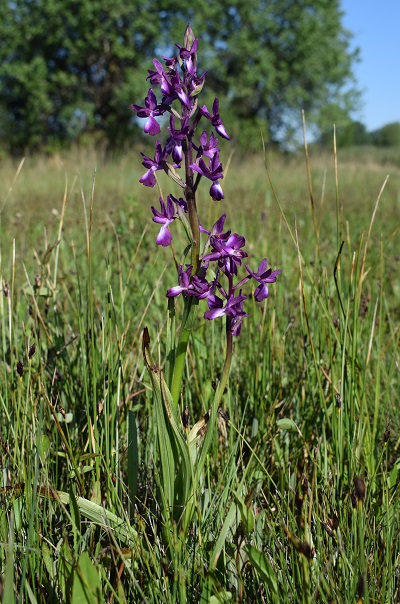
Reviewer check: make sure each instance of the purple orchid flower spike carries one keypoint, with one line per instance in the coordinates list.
(213, 173)
(215, 118)
(151, 110)
(164, 217)
(158, 163)
(223, 251)
(263, 275)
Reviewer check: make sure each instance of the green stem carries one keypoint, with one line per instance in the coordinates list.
(227, 366)
(192, 209)
(217, 399)
(198, 470)
(180, 351)
(186, 326)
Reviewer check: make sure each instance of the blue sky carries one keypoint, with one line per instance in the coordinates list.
(375, 26)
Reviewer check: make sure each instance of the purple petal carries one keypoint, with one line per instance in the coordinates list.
(222, 132)
(261, 292)
(204, 111)
(197, 168)
(272, 277)
(175, 291)
(214, 313)
(216, 191)
(262, 266)
(158, 66)
(235, 241)
(151, 126)
(159, 218)
(141, 111)
(218, 226)
(236, 326)
(215, 106)
(151, 99)
(164, 236)
(148, 179)
(183, 97)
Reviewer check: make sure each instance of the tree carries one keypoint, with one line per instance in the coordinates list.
(272, 58)
(387, 136)
(348, 134)
(69, 67)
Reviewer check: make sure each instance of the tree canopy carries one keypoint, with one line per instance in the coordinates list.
(70, 68)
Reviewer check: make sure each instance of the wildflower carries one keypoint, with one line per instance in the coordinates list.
(160, 78)
(217, 228)
(188, 37)
(263, 276)
(183, 280)
(177, 137)
(164, 217)
(233, 309)
(178, 81)
(181, 203)
(158, 163)
(215, 118)
(189, 55)
(208, 147)
(213, 173)
(226, 249)
(195, 85)
(197, 287)
(151, 110)
(180, 91)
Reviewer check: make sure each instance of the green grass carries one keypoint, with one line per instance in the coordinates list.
(92, 509)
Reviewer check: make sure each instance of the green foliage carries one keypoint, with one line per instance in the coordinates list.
(71, 69)
(87, 585)
(348, 134)
(354, 134)
(387, 136)
(68, 68)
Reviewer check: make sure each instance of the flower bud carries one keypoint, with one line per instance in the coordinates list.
(188, 38)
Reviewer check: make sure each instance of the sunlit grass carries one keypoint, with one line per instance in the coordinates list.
(312, 400)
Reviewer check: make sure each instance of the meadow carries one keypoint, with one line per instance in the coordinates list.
(297, 497)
